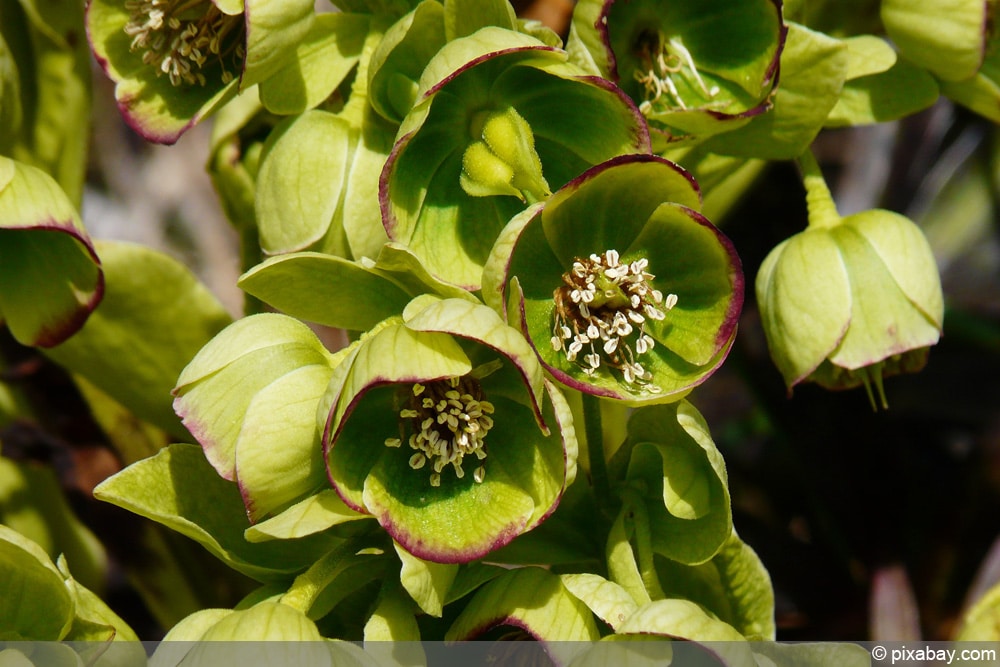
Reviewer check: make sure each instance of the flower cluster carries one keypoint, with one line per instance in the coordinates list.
(607, 302)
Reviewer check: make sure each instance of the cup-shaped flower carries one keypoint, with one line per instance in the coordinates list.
(175, 61)
(437, 429)
(695, 69)
(483, 139)
(851, 300)
(622, 287)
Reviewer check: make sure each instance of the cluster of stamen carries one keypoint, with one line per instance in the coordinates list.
(662, 60)
(178, 37)
(448, 421)
(601, 312)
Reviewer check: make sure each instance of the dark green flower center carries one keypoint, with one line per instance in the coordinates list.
(446, 421)
(600, 316)
(178, 38)
(666, 70)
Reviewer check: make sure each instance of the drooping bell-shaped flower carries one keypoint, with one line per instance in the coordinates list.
(694, 69)
(623, 288)
(437, 429)
(849, 300)
(482, 141)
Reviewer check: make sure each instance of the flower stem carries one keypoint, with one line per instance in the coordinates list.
(595, 450)
(822, 209)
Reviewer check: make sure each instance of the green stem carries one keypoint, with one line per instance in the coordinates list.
(822, 209)
(595, 450)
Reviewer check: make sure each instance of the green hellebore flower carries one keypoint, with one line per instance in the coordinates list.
(622, 287)
(176, 61)
(482, 140)
(437, 429)
(694, 69)
(850, 300)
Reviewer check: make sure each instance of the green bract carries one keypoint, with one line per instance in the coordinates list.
(437, 428)
(948, 38)
(850, 300)
(623, 288)
(695, 69)
(250, 398)
(483, 139)
(174, 62)
(42, 601)
(50, 271)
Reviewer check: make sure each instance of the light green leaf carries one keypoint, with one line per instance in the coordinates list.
(734, 586)
(279, 456)
(695, 495)
(328, 290)
(623, 569)
(316, 177)
(391, 633)
(312, 515)
(400, 264)
(427, 583)
(470, 577)
(902, 90)
(464, 17)
(609, 601)
(214, 399)
(842, 654)
(93, 611)
(272, 30)
(154, 318)
(535, 600)
(37, 606)
(179, 489)
(948, 38)
(814, 67)
(980, 93)
(323, 58)
(400, 58)
(867, 55)
(682, 619)
(481, 324)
